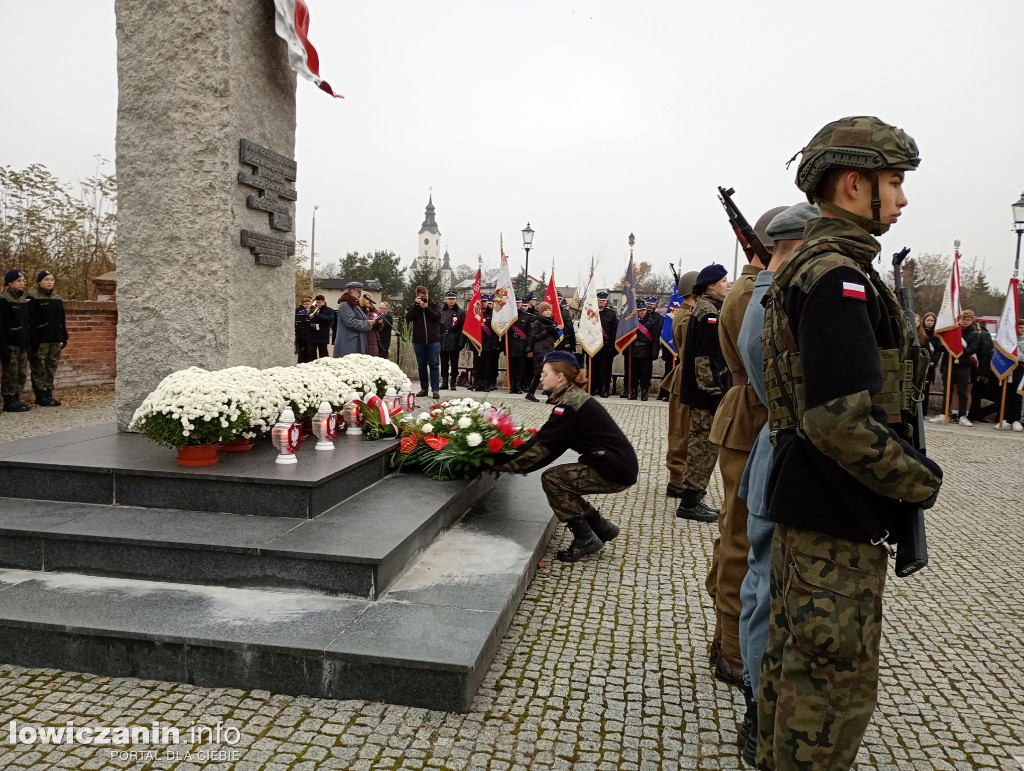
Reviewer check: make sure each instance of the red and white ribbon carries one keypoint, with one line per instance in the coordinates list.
(291, 21)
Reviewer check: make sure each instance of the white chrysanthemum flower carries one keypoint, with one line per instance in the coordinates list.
(474, 439)
(465, 421)
(427, 428)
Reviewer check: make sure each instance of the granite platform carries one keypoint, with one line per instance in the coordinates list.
(365, 585)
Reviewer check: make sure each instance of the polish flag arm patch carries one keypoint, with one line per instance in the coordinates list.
(712, 319)
(558, 410)
(854, 291)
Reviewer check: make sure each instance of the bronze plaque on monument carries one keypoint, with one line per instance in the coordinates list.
(273, 176)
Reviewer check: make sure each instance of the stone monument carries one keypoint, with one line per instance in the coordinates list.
(206, 190)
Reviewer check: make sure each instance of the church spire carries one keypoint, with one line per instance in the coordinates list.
(429, 223)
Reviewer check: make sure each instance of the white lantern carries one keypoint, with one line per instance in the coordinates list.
(285, 436)
(325, 426)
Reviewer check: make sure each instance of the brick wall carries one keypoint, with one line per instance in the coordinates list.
(90, 357)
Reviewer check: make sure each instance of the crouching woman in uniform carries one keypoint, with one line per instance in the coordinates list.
(607, 461)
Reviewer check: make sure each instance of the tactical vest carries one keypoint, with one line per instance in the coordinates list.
(904, 369)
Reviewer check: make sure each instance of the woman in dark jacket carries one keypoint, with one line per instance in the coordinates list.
(543, 334)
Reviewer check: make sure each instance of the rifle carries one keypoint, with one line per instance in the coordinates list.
(675, 273)
(751, 244)
(912, 548)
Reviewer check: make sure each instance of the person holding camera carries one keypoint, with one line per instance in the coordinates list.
(425, 318)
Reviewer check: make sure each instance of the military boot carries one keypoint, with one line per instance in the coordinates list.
(584, 541)
(632, 396)
(13, 404)
(51, 401)
(644, 393)
(713, 509)
(692, 507)
(604, 529)
(746, 737)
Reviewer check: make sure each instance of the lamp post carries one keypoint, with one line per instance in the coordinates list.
(312, 252)
(1018, 225)
(527, 245)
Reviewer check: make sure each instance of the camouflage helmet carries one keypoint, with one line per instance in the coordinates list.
(858, 142)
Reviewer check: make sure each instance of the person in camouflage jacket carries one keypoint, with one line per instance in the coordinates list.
(844, 476)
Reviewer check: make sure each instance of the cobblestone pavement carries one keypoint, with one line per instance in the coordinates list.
(605, 665)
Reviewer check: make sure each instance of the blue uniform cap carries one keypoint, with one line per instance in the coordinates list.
(563, 356)
(602, 295)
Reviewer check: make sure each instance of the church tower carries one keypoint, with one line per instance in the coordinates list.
(429, 243)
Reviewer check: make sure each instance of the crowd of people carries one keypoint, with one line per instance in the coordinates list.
(33, 332)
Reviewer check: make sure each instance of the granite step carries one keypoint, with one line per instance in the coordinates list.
(426, 642)
(100, 465)
(356, 548)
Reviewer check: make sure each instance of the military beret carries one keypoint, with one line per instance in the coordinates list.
(42, 274)
(354, 285)
(712, 274)
(565, 357)
(450, 293)
(12, 275)
(789, 224)
(602, 295)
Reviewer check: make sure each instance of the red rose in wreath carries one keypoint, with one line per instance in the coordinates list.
(516, 443)
(494, 444)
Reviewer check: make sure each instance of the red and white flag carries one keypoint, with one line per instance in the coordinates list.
(291, 21)
(947, 323)
(472, 327)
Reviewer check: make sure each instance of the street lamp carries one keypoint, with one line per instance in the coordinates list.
(632, 240)
(1018, 225)
(312, 253)
(527, 245)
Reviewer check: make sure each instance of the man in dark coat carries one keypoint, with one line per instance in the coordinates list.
(518, 334)
(642, 351)
(385, 330)
(425, 317)
(603, 359)
(321, 327)
(452, 339)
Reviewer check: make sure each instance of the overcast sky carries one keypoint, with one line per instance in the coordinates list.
(590, 120)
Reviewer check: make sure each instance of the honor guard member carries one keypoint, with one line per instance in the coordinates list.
(841, 368)
(452, 340)
(735, 427)
(604, 359)
(607, 462)
(679, 413)
(487, 362)
(642, 350)
(567, 342)
(518, 334)
(785, 232)
(49, 333)
(16, 332)
(705, 380)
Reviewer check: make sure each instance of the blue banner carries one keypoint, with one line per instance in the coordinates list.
(666, 326)
(625, 333)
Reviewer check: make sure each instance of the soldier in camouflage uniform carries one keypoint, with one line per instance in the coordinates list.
(49, 336)
(841, 372)
(705, 380)
(16, 334)
(607, 463)
(679, 413)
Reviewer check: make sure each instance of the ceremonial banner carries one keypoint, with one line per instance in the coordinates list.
(1004, 355)
(505, 313)
(291, 22)
(625, 333)
(674, 303)
(551, 297)
(947, 323)
(590, 335)
(473, 325)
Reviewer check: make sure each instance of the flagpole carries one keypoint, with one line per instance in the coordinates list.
(949, 382)
(508, 367)
(1002, 406)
